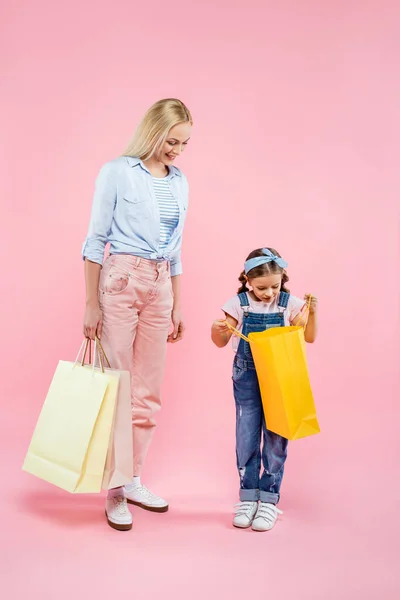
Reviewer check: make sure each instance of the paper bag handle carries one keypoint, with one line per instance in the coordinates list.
(236, 332)
(103, 352)
(307, 311)
(98, 349)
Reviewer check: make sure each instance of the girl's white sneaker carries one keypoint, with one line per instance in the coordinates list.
(266, 517)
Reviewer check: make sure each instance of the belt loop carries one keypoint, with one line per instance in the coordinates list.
(137, 263)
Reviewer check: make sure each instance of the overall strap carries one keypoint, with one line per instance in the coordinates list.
(283, 300)
(244, 303)
(243, 300)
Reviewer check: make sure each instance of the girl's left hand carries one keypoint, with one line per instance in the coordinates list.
(313, 302)
(177, 334)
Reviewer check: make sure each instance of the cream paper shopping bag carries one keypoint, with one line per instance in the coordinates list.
(119, 463)
(70, 442)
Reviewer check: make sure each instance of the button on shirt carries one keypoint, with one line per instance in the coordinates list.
(129, 213)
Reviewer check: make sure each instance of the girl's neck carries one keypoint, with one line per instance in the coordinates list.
(253, 296)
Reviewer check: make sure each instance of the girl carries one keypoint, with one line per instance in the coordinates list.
(139, 207)
(267, 304)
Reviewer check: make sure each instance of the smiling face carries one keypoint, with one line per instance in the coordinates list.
(175, 144)
(266, 288)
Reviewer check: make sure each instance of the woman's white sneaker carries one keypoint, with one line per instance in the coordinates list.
(266, 517)
(141, 496)
(118, 513)
(244, 514)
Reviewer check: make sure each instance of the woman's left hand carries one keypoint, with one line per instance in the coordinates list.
(177, 334)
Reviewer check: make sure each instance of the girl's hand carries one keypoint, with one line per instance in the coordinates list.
(93, 322)
(313, 302)
(220, 327)
(179, 328)
(220, 332)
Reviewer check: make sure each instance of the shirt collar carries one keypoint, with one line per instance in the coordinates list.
(133, 161)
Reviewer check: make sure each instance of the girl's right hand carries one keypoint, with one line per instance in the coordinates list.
(93, 322)
(220, 326)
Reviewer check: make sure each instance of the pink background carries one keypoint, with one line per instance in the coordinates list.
(295, 145)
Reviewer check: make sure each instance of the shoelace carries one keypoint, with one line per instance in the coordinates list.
(243, 508)
(120, 505)
(269, 512)
(143, 490)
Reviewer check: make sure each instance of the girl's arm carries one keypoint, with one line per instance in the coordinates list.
(311, 330)
(220, 333)
(311, 325)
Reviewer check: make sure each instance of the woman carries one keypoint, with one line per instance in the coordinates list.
(139, 208)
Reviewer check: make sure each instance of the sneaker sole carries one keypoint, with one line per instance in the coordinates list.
(119, 526)
(157, 509)
(262, 530)
(242, 526)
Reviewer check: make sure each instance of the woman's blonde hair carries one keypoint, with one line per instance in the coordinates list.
(153, 129)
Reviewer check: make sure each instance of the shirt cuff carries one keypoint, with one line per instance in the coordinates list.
(176, 269)
(95, 255)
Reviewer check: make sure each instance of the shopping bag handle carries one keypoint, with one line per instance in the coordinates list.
(307, 310)
(246, 339)
(88, 344)
(97, 340)
(236, 332)
(98, 349)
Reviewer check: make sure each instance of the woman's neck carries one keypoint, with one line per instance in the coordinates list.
(156, 168)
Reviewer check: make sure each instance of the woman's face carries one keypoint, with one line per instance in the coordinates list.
(175, 143)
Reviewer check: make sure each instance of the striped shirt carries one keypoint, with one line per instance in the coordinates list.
(169, 210)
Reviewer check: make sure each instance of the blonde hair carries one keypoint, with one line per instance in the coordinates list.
(153, 129)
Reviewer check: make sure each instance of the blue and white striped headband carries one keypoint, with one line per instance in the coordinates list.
(257, 261)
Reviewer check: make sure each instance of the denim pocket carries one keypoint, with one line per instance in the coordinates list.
(237, 372)
(114, 281)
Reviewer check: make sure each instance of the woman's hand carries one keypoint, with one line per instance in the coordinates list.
(93, 321)
(177, 334)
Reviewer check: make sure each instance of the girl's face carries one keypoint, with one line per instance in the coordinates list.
(267, 288)
(175, 143)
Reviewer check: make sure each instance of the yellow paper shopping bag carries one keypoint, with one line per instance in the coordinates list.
(281, 364)
(70, 442)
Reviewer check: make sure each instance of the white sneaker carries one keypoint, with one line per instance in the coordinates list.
(142, 497)
(244, 514)
(266, 517)
(118, 514)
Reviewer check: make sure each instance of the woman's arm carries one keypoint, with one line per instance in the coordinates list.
(177, 320)
(96, 240)
(93, 319)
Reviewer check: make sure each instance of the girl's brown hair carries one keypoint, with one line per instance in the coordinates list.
(269, 268)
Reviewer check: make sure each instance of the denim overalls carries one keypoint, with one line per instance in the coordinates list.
(250, 421)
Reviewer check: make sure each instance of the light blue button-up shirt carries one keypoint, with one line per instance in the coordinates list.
(125, 213)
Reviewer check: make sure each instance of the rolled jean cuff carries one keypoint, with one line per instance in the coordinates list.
(269, 497)
(249, 495)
